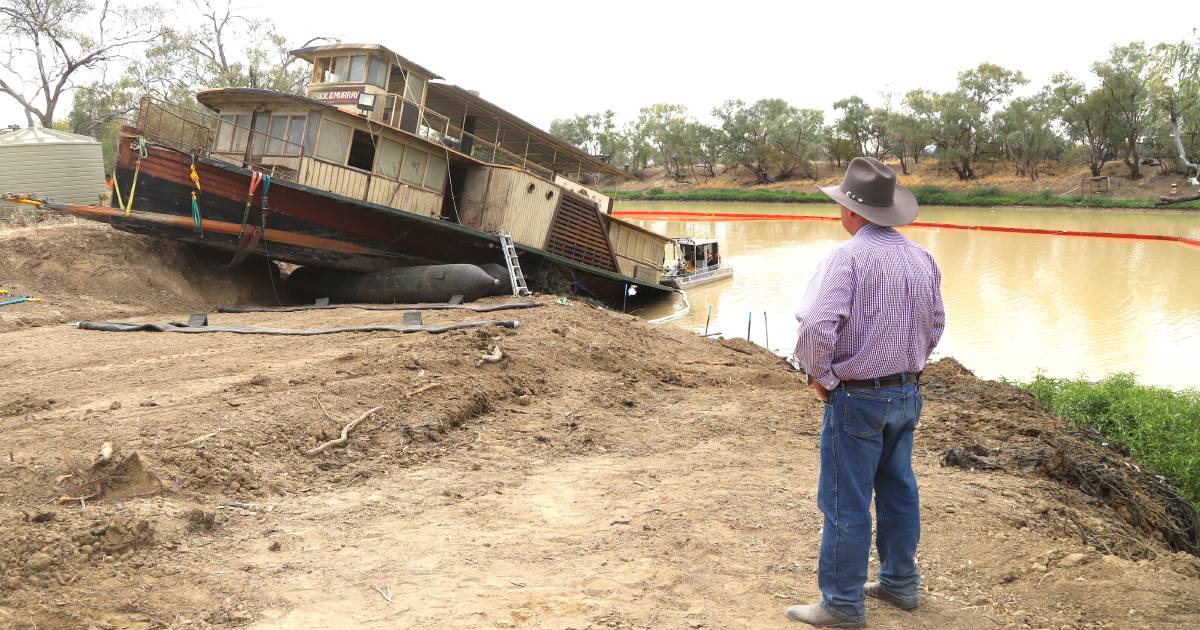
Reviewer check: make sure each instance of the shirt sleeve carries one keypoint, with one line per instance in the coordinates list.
(824, 310)
(938, 321)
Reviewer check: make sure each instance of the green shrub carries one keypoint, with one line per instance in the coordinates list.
(1161, 427)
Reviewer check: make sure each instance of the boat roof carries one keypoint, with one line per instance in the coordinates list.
(312, 52)
(515, 134)
(695, 241)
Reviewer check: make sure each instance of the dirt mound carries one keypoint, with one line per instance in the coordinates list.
(604, 471)
(87, 270)
(1005, 428)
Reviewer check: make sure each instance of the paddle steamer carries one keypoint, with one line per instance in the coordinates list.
(380, 164)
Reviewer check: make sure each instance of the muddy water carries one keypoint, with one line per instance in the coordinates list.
(1015, 303)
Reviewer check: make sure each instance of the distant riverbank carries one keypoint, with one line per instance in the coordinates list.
(990, 196)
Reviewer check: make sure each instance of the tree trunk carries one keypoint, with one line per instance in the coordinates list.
(1131, 158)
(1162, 201)
(903, 162)
(1179, 145)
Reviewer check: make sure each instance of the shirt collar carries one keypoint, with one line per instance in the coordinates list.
(878, 235)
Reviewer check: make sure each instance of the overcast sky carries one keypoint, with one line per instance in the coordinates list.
(544, 60)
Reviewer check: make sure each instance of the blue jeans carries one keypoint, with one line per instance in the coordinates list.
(866, 444)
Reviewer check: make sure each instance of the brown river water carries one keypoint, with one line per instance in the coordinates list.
(1015, 303)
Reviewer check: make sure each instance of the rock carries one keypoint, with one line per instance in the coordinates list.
(1037, 568)
(1072, 560)
(115, 406)
(1041, 507)
(275, 546)
(201, 519)
(39, 562)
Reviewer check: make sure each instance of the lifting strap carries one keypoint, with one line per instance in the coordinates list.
(143, 153)
(197, 220)
(247, 241)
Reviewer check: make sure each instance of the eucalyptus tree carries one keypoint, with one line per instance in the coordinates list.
(663, 128)
(796, 135)
(1088, 116)
(747, 131)
(1175, 87)
(1025, 134)
(1125, 80)
(905, 136)
(51, 46)
(958, 120)
(596, 134)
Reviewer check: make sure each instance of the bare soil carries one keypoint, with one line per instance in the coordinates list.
(607, 473)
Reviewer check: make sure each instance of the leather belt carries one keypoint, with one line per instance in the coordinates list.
(891, 380)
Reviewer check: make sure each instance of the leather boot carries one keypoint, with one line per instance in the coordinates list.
(815, 614)
(876, 590)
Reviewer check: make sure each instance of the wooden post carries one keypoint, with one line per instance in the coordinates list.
(749, 318)
(707, 320)
(766, 331)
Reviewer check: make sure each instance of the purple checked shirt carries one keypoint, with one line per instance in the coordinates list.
(874, 308)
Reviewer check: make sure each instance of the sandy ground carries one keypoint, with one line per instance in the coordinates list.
(607, 473)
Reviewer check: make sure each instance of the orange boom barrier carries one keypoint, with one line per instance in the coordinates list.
(734, 216)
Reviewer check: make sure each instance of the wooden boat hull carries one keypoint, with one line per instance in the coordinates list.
(307, 226)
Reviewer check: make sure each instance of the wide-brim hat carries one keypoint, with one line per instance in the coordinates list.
(869, 190)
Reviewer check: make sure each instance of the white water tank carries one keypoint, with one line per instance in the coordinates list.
(58, 165)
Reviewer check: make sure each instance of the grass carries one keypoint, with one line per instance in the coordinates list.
(925, 194)
(1161, 427)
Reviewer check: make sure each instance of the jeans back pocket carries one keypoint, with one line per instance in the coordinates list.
(867, 412)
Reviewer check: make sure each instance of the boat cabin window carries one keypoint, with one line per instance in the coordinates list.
(287, 135)
(351, 69)
(414, 89)
(414, 167)
(261, 124)
(435, 173)
(362, 151)
(334, 142)
(378, 73)
(310, 132)
(320, 68)
(390, 155)
(232, 133)
(339, 69)
(396, 80)
(358, 69)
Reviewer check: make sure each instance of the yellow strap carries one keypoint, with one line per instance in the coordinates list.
(196, 178)
(132, 187)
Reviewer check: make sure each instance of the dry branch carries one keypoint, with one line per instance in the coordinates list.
(345, 433)
(423, 388)
(1162, 201)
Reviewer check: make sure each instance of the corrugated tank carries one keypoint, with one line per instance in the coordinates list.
(65, 167)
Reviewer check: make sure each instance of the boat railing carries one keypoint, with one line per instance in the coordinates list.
(438, 128)
(194, 132)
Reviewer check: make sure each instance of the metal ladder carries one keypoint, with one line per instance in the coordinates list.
(515, 277)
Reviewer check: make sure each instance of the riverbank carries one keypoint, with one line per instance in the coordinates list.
(591, 478)
(1158, 426)
(931, 182)
(926, 195)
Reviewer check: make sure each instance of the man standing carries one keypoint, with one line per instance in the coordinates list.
(869, 320)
